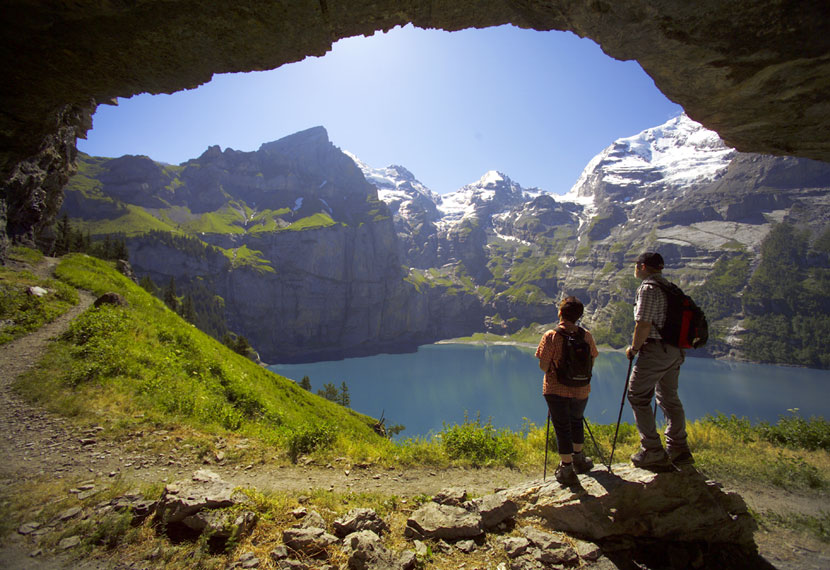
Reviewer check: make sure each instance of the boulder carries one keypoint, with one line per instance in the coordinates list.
(124, 268)
(542, 539)
(443, 522)
(222, 525)
(515, 546)
(309, 541)
(494, 509)
(453, 496)
(204, 490)
(366, 552)
(140, 507)
(111, 299)
(311, 519)
(358, 520)
(632, 502)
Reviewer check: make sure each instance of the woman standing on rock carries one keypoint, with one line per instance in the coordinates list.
(567, 354)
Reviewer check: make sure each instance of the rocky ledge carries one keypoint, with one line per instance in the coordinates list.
(624, 518)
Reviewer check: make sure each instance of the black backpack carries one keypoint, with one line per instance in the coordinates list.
(574, 368)
(686, 325)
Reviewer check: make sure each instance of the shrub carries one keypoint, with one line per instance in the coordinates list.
(797, 433)
(481, 444)
(791, 431)
(309, 437)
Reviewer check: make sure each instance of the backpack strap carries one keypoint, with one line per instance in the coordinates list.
(667, 287)
(580, 332)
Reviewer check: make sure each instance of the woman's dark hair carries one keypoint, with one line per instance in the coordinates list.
(571, 309)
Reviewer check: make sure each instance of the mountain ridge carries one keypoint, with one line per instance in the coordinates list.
(357, 260)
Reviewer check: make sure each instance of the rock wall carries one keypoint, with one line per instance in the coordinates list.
(757, 73)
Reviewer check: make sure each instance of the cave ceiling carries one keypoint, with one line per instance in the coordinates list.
(756, 72)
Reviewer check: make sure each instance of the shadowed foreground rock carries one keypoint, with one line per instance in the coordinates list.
(642, 519)
(632, 502)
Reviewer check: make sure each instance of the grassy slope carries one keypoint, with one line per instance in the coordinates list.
(21, 313)
(145, 361)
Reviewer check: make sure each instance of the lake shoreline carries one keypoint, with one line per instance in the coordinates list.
(515, 343)
(605, 348)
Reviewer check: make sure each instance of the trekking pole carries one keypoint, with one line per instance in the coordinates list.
(547, 433)
(588, 427)
(619, 417)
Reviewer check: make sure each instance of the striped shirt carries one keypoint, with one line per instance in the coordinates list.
(550, 350)
(651, 305)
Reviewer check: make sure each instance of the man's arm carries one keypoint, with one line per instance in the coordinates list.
(641, 330)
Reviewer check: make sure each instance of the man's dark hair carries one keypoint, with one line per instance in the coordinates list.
(651, 259)
(571, 308)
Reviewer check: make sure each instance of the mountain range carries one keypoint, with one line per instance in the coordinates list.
(316, 255)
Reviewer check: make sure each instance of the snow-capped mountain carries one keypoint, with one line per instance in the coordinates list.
(677, 156)
(306, 242)
(399, 188)
(680, 154)
(493, 194)
(490, 195)
(670, 175)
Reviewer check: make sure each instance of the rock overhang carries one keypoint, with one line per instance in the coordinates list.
(757, 73)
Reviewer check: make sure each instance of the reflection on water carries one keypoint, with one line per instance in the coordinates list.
(440, 383)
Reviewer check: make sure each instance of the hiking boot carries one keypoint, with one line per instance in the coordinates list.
(648, 458)
(566, 475)
(582, 463)
(681, 457)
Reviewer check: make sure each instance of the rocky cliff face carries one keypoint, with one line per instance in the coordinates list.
(676, 188)
(305, 256)
(321, 256)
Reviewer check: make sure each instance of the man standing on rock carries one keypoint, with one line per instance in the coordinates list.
(656, 372)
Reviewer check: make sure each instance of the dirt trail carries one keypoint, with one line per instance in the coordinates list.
(37, 443)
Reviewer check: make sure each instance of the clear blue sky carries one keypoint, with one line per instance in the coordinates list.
(448, 106)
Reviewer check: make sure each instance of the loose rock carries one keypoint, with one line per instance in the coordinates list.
(367, 552)
(453, 496)
(309, 541)
(443, 522)
(360, 519)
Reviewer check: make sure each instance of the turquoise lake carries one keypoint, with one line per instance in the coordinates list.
(440, 383)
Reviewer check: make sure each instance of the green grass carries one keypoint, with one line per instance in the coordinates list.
(115, 364)
(250, 258)
(21, 313)
(134, 221)
(818, 526)
(318, 220)
(480, 444)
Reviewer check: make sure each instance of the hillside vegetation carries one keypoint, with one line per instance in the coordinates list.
(143, 364)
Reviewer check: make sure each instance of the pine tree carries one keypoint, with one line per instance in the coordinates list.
(78, 243)
(120, 249)
(188, 312)
(329, 392)
(170, 298)
(107, 248)
(63, 239)
(242, 346)
(147, 284)
(305, 383)
(345, 400)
